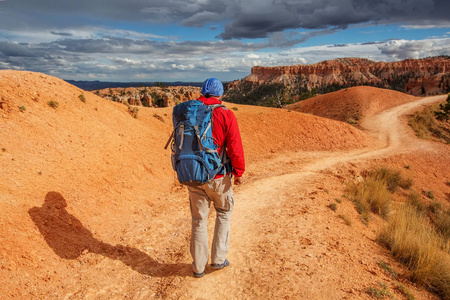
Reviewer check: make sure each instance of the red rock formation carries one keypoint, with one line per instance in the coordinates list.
(147, 96)
(416, 76)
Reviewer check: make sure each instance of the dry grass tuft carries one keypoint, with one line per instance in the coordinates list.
(347, 221)
(414, 200)
(393, 179)
(428, 125)
(379, 292)
(422, 121)
(441, 219)
(403, 290)
(375, 192)
(371, 195)
(414, 242)
(423, 246)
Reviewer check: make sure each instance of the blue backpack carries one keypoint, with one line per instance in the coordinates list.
(194, 152)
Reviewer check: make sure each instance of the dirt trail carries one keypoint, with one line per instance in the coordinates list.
(281, 246)
(90, 210)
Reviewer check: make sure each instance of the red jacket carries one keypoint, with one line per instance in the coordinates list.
(226, 132)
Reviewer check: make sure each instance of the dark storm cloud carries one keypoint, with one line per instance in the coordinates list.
(61, 33)
(261, 20)
(242, 18)
(17, 50)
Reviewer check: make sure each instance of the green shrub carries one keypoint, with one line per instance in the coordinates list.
(22, 108)
(133, 111)
(443, 113)
(429, 194)
(82, 98)
(159, 118)
(346, 220)
(267, 94)
(158, 99)
(53, 104)
(388, 269)
(333, 206)
(379, 293)
(403, 290)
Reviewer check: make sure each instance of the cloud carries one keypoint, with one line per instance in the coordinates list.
(403, 49)
(200, 19)
(120, 59)
(61, 33)
(8, 49)
(239, 19)
(427, 26)
(124, 59)
(123, 40)
(292, 38)
(252, 20)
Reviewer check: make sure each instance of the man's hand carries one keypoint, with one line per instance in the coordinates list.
(237, 180)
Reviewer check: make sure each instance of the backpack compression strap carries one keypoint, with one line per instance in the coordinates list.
(224, 159)
(207, 150)
(170, 139)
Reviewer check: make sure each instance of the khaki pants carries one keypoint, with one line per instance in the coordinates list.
(220, 193)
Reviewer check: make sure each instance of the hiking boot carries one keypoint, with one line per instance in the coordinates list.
(226, 263)
(199, 275)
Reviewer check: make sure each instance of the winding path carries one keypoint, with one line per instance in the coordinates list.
(282, 243)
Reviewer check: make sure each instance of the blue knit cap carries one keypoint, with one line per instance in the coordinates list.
(212, 87)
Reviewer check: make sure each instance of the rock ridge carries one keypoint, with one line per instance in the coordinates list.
(414, 76)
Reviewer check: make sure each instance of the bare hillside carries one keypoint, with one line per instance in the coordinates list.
(87, 193)
(352, 104)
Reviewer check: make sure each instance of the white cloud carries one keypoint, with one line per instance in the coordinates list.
(183, 67)
(82, 32)
(402, 49)
(122, 59)
(427, 26)
(199, 19)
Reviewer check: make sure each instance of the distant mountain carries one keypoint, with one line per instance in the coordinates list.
(278, 86)
(98, 85)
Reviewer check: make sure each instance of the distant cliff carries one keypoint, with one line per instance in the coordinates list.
(418, 77)
(150, 96)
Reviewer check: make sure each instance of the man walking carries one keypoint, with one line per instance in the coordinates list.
(219, 191)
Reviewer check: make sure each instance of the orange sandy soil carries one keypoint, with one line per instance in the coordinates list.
(352, 103)
(90, 209)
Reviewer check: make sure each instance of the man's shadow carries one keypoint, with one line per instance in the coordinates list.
(68, 238)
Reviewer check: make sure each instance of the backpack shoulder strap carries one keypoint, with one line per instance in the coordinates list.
(214, 106)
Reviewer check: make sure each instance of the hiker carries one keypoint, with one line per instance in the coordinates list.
(218, 190)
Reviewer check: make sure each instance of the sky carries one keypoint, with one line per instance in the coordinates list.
(190, 40)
